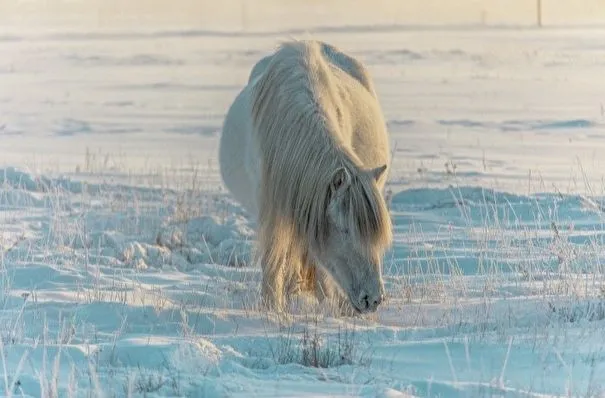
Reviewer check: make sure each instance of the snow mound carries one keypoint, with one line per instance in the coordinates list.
(180, 245)
(435, 198)
(208, 239)
(156, 352)
(137, 228)
(19, 179)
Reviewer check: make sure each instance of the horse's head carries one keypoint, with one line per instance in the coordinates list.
(357, 233)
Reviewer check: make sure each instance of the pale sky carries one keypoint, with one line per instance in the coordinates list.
(285, 14)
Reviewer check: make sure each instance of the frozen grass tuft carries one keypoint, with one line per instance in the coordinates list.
(312, 348)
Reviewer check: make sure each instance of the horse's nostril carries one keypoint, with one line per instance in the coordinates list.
(377, 301)
(365, 301)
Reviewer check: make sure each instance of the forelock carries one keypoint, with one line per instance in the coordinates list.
(368, 213)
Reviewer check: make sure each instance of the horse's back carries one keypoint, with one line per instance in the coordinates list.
(348, 64)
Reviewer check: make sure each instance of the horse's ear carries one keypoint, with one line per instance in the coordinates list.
(378, 172)
(340, 180)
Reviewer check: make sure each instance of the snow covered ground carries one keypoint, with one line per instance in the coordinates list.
(125, 267)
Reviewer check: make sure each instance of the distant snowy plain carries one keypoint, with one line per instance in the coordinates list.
(125, 266)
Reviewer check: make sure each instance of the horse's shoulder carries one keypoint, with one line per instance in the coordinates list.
(348, 64)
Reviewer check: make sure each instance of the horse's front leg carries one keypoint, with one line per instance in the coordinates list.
(272, 284)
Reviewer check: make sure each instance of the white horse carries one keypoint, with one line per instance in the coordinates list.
(304, 149)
